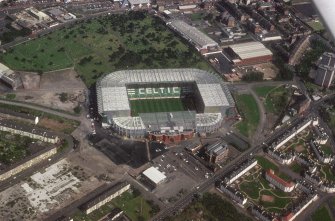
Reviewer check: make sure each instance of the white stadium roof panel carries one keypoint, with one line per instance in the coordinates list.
(115, 99)
(213, 95)
(154, 175)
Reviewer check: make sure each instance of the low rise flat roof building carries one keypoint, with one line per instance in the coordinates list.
(249, 53)
(154, 175)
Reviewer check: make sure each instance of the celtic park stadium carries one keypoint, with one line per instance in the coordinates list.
(166, 105)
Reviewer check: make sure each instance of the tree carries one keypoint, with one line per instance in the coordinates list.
(63, 97)
(253, 76)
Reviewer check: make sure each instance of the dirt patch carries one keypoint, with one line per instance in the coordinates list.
(45, 90)
(267, 198)
(53, 125)
(30, 80)
(63, 79)
(299, 148)
(270, 70)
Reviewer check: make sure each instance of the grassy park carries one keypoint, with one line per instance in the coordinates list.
(248, 109)
(321, 214)
(259, 190)
(275, 98)
(133, 40)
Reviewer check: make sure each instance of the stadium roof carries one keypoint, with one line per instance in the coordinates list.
(250, 50)
(192, 33)
(112, 91)
(154, 175)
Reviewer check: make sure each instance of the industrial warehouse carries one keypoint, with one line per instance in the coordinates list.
(249, 53)
(201, 41)
(166, 105)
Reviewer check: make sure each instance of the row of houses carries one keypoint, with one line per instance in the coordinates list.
(294, 131)
(233, 193)
(322, 157)
(105, 197)
(283, 158)
(239, 171)
(28, 131)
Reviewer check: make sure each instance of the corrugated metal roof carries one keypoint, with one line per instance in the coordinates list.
(250, 50)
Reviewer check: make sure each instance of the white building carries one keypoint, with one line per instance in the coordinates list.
(234, 194)
(192, 34)
(322, 157)
(242, 169)
(154, 175)
(105, 197)
(28, 131)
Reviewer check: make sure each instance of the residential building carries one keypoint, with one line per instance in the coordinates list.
(240, 170)
(279, 182)
(28, 131)
(105, 197)
(217, 151)
(234, 194)
(326, 70)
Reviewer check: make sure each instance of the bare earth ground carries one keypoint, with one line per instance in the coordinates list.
(45, 90)
(270, 70)
(267, 198)
(299, 148)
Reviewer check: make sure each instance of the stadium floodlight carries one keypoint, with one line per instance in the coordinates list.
(326, 9)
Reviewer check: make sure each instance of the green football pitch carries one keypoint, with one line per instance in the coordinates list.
(156, 105)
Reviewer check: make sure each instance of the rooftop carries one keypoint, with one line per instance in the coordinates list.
(250, 50)
(154, 175)
(271, 174)
(194, 34)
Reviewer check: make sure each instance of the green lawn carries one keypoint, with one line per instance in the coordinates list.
(265, 163)
(277, 100)
(296, 168)
(321, 214)
(263, 91)
(251, 189)
(248, 109)
(278, 202)
(210, 207)
(95, 215)
(329, 174)
(137, 208)
(316, 25)
(156, 105)
(133, 40)
(327, 149)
